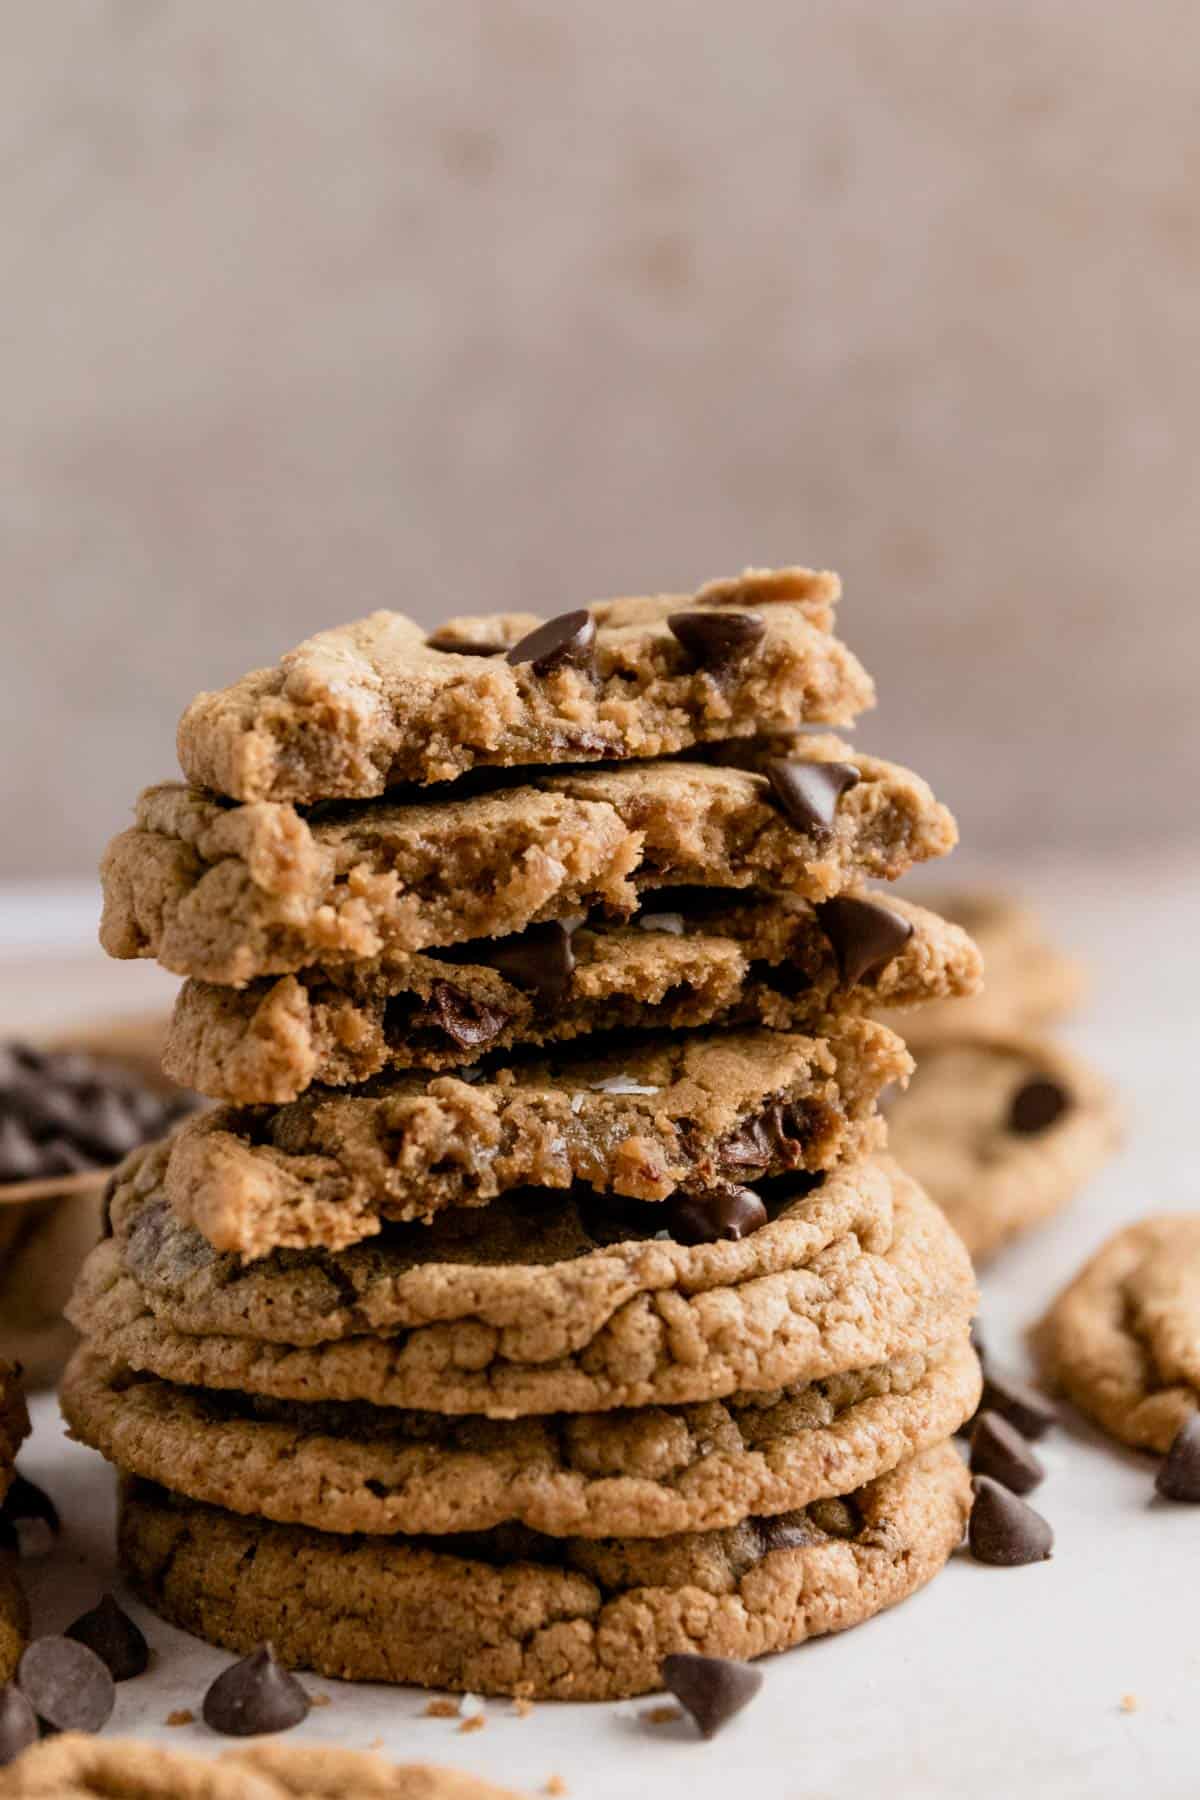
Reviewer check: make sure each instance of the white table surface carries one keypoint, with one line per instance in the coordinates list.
(991, 1682)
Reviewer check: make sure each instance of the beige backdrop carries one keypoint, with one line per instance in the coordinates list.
(316, 305)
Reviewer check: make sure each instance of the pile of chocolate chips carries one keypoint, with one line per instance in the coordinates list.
(64, 1111)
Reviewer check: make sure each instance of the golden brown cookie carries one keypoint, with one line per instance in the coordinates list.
(231, 893)
(1123, 1339)
(14, 1617)
(510, 1612)
(1002, 1132)
(14, 1420)
(650, 1473)
(642, 1120)
(691, 957)
(846, 1306)
(74, 1767)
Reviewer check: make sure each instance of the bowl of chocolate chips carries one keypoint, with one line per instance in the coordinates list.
(70, 1109)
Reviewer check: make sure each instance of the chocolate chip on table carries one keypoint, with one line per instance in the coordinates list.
(864, 934)
(809, 792)
(570, 638)
(32, 1515)
(67, 1685)
(730, 1213)
(999, 1450)
(712, 1688)
(1004, 1530)
(446, 640)
(255, 1695)
(718, 640)
(1036, 1106)
(111, 1633)
(470, 1023)
(1023, 1406)
(1178, 1477)
(539, 959)
(18, 1723)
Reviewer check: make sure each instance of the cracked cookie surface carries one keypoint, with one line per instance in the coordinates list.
(510, 1612)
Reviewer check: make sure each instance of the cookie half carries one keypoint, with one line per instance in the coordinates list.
(1123, 1339)
(691, 957)
(1002, 1132)
(510, 1612)
(649, 1473)
(231, 893)
(642, 1120)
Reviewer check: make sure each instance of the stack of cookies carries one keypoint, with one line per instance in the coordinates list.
(539, 1301)
(14, 1428)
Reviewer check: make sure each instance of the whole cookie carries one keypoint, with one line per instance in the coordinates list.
(14, 1617)
(1123, 1339)
(643, 1120)
(228, 894)
(1002, 1132)
(847, 1307)
(690, 957)
(75, 1767)
(650, 1473)
(511, 1613)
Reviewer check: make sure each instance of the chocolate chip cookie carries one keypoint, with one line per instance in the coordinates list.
(1002, 1132)
(1123, 1339)
(231, 893)
(14, 1421)
(360, 708)
(690, 957)
(513, 1612)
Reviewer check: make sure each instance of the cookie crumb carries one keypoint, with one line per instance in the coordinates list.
(183, 1715)
(522, 1707)
(1130, 1703)
(661, 1715)
(473, 1722)
(318, 1700)
(440, 1708)
(556, 1785)
(376, 1743)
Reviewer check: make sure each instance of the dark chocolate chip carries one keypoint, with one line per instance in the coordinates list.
(787, 1531)
(470, 1023)
(809, 792)
(18, 1723)
(1179, 1473)
(1036, 1106)
(453, 646)
(66, 1684)
(775, 1137)
(539, 959)
(718, 640)
(570, 638)
(999, 1450)
(712, 1688)
(255, 1695)
(1022, 1405)
(117, 1641)
(25, 1501)
(865, 936)
(1004, 1530)
(731, 1213)
(615, 1219)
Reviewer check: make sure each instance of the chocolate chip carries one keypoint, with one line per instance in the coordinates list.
(32, 1514)
(809, 792)
(470, 1023)
(775, 1136)
(999, 1450)
(570, 638)
(117, 1641)
(718, 641)
(1003, 1530)
(1036, 1106)
(864, 935)
(255, 1695)
(1023, 1406)
(787, 1531)
(712, 1688)
(18, 1723)
(66, 1684)
(1179, 1474)
(730, 1213)
(456, 646)
(539, 959)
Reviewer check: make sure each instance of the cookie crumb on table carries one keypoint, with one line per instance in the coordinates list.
(1130, 1703)
(440, 1708)
(556, 1785)
(183, 1715)
(319, 1700)
(522, 1707)
(661, 1715)
(473, 1722)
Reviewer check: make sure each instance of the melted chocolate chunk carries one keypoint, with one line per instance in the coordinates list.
(809, 792)
(774, 1138)
(864, 936)
(730, 1213)
(539, 959)
(718, 641)
(1036, 1106)
(470, 1023)
(785, 1531)
(254, 1696)
(570, 638)
(712, 1688)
